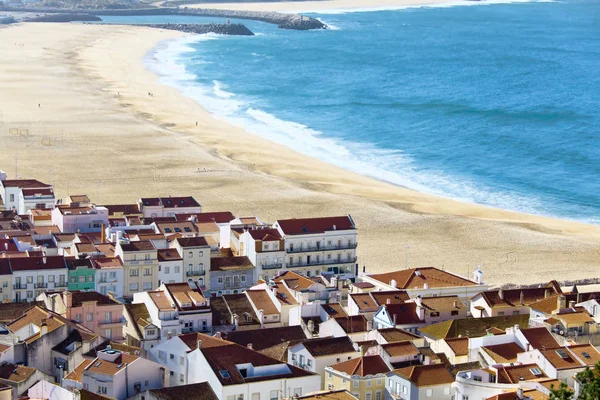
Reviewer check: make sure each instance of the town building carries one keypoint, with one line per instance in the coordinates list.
(22, 195)
(364, 377)
(140, 266)
(421, 382)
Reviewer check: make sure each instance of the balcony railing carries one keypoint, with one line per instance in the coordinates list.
(234, 284)
(322, 262)
(273, 266)
(41, 285)
(195, 273)
(20, 286)
(306, 249)
(139, 262)
(61, 284)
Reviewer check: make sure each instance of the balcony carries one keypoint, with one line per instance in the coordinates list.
(195, 273)
(139, 262)
(234, 284)
(41, 285)
(308, 249)
(272, 266)
(321, 262)
(111, 324)
(61, 284)
(20, 286)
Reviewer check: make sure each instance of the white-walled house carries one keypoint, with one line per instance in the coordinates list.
(162, 311)
(264, 247)
(168, 206)
(120, 375)
(233, 371)
(80, 219)
(195, 252)
(22, 195)
(109, 276)
(193, 308)
(315, 354)
(34, 275)
(316, 246)
(170, 266)
(420, 382)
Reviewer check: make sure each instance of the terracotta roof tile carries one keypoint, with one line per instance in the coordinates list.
(265, 338)
(460, 346)
(418, 277)
(539, 338)
(517, 373)
(427, 375)
(262, 301)
(400, 349)
(77, 373)
(504, 353)
(305, 226)
(195, 391)
(328, 346)
(14, 372)
(363, 366)
(393, 296)
(329, 395)
(364, 302)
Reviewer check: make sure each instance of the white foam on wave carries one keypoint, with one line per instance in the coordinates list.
(450, 3)
(330, 26)
(393, 166)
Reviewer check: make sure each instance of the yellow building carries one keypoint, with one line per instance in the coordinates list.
(140, 266)
(364, 377)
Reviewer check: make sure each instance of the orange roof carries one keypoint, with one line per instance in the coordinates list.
(539, 338)
(262, 301)
(99, 366)
(418, 277)
(295, 281)
(460, 346)
(400, 349)
(528, 394)
(363, 366)
(516, 373)
(364, 301)
(283, 294)
(77, 372)
(504, 353)
(427, 375)
(586, 353)
(161, 301)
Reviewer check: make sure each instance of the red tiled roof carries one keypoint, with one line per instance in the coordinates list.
(266, 235)
(315, 225)
(427, 375)
(539, 338)
(24, 183)
(33, 263)
(418, 277)
(222, 217)
(363, 366)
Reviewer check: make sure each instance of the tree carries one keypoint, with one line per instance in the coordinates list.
(562, 393)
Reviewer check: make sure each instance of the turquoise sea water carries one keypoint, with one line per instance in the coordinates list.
(496, 104)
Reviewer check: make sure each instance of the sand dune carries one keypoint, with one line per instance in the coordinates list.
(97, 131)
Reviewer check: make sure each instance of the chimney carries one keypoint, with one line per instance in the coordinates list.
(571, 304)
(501, 293)
(68, 299)
(522, 298)
(561, 302)
(236, 321)
(334, 227)
(43, 327)
(44, 259)
(199, 344)
(249, 345)
(393, 283)
(394, 320)
(103, 234)
(261, 317)
(455, 304)
(388, 301)
(547, 293)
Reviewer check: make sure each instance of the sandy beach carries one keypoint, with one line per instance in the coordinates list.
(75, 112)
(319, 5)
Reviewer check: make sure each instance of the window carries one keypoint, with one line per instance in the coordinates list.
(134, 272)
(500, 314)
(191, 254)
(181, 378)
(78, 317)
(89, 317)
(108, 333)
(81, 279)
(220, 279)
(368, 396)
(369, 383)
(434, 314)
(171, 356)
(30, 279)
(147, 272)
(255, 396)
(177, 269)
(378, 395)
(91, 278)
(51, 278)
(102, 389)
(134, 287)
(147, 285)
(172, 373)
(297, 392)
(516, 312)
(379, 382)
(355, 383)
(151, 332)
(428, 393)
(181, 360)
(108, 317)
(243, 278)
(308, 361)
(447, 390)
(29, 294)
(12, 197)
(274, 395)
(477, 378)
(201, 254)
(146, 383)
(404, 389)
(113, 275)
(454, 312)
(465, 397)
(167, 270)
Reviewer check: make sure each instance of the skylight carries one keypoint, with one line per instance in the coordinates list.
(536, 371)
(562, 354)
(224, 374)
(586, 355)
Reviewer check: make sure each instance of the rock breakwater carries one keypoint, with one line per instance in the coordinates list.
(221, 29)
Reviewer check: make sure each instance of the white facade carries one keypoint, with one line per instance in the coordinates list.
(80, 219)
(167, 321)
(170, 271)
(110, 280)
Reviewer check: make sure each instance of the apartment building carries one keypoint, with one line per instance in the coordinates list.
(110, 276)
(316, 354)
(316, 246)
(196, 254)
(34, 275)
(168, 206)
(421, 382)
(87, 218)
(230, 275)
(170, 266)
(264, 247)
(140, 266)
(139, 330)
(193, 308)
(22, 195)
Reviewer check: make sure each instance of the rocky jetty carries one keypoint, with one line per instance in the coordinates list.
(283, 21)
(221, 29)
(64, 18)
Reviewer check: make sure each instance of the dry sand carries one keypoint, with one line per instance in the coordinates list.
(319, 5)
(97, 131)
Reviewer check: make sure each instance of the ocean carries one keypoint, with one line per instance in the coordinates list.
(495, 103)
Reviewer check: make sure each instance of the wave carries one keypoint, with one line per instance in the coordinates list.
(450, 3)
(169, 59)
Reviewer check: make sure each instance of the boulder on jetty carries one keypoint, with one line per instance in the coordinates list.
(221, 29)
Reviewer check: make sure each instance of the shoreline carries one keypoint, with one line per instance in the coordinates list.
(135, 145)
(346, 6)
(185, 86)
